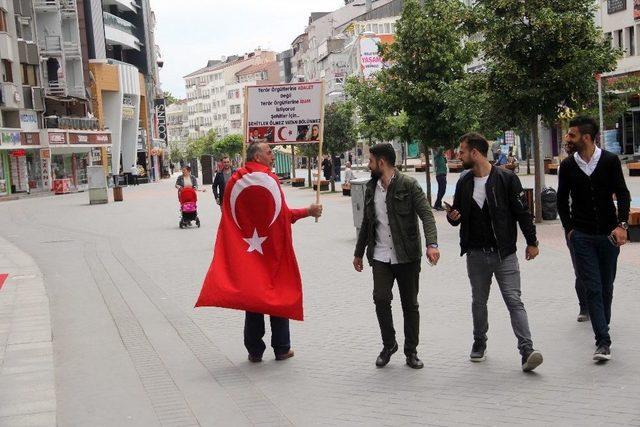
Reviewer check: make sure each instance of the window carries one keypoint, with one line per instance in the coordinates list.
(3, 21)
(29, 75)
(632, 41)
(619, 42)
(7, 73)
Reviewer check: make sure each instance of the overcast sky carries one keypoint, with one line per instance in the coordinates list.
(190, 32)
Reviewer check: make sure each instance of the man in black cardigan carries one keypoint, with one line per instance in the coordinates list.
(590, 178)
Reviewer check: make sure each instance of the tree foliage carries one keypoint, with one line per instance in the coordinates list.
(372, 107)
(169, 98)
(176, 152)
(339, 128)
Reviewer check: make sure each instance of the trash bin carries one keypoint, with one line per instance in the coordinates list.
(117, 193)
(358, 188)
(549, 204)
(97, 185)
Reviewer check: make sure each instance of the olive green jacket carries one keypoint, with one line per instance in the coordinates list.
(406, 204)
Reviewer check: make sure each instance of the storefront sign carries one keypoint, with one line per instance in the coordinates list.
(29, 138)
(614, 6)
(89, 138)
(28, 121)
(96, 156)
(161, 117)
(57, 138)
(18, 153)
(11, 138)
(128, 107)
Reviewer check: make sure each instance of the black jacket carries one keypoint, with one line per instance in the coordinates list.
(218, 185)
(507, 206)
(592, 210)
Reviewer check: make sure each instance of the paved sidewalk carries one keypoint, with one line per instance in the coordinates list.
(27, 392)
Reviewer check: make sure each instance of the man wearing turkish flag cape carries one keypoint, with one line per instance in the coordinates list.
(254, 266)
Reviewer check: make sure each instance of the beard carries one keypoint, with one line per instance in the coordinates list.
(375, 174)
(467, 165)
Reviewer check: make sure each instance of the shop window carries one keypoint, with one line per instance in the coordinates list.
(632, 41)
(7, 73)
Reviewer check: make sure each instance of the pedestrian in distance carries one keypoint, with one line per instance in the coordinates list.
(440, 162)
(134, 174)
(326, 168)
(488, 203)
(581, 292)
(222, 178)
(393, 208)
(187, 180)
(587, 184)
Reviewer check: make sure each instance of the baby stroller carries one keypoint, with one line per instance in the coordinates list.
(188, 207)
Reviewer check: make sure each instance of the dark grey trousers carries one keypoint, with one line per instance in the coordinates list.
(481, 267)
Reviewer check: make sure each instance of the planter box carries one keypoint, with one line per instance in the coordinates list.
(634, 233)
(634, 169)
(420, 168)
(552, 168)
(346, 190)
(455, 167)
(297, 182)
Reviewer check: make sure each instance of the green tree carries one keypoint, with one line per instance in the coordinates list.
(339, 131)
(169, 98)
(427, 58)
(541, 57)
(176, 152)
(310, 152)
(617, 96)
(372, 106)
(230, 145)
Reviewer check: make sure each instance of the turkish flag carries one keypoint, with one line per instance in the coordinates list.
(254, 267)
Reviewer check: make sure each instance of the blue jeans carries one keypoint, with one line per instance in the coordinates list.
(442, 189)
(581, 292)
(254, 331)
(596, 264)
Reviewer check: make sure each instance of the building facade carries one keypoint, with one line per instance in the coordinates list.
(215, 93)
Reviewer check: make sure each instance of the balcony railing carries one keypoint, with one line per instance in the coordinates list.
(52, 45)
(68, 6)
(71, 48)
(56, 88)
(75, 123)
(119, 23)
(46, 5)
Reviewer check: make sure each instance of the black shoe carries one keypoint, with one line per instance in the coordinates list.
(583, 316)
(385, 355)
(531, 359)
(439, 208)
(478, 351)
(414, 362)
(602, 354)
(254, 358)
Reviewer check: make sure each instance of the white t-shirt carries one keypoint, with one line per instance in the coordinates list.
(186, 181)
(588, 168)
(480, 190)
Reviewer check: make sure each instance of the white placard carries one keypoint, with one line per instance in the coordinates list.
(284, 114)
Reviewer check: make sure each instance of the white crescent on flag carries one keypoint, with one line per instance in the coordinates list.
(259, 179)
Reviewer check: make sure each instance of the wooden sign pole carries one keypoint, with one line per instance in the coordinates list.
(320, 144)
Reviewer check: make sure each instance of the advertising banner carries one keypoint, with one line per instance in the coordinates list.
(284, 114)
(370, 60)
(28, 121)
(57, 138)
(10, 138)
(30, 138)
(161, 119)
(89, 138)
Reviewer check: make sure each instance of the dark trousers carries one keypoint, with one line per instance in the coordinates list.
(596, 265)
(581, 292)
(254, 332)
(442, 188)
(407, 275)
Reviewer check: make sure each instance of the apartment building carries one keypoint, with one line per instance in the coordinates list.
(620, 21)
(178, 123)
(215, 93)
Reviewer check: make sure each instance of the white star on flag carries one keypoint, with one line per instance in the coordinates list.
(255, 242)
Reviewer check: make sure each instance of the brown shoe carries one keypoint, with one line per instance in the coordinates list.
(255, 359)
(285, 356)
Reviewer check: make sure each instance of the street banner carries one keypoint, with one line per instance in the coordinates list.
(370, 59)
(284, 114)
(254, 266)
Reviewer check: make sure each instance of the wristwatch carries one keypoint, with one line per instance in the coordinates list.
(624, 225)
(433, 245)
(535, 244)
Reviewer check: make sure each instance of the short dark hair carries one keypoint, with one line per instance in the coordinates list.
(253, 150)
(586, 125)
(187, 167)
(384, 151)
(477, 141)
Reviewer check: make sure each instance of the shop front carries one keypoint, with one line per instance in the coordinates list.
(69, 155)
(19, 162)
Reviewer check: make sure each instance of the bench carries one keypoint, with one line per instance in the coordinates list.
(420, 168)
(455, 167)
(634, 225)
(552, 168)
(324, 185)
(297, 182)
(634, 168)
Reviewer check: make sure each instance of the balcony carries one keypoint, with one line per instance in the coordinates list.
(51, 46)
(46, 5)
(119, 31)
(56, 88)
(122, 5)
(71, 49)
(68, 7)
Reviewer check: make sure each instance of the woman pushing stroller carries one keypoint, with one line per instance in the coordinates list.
(187, 186)
(187, 180)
